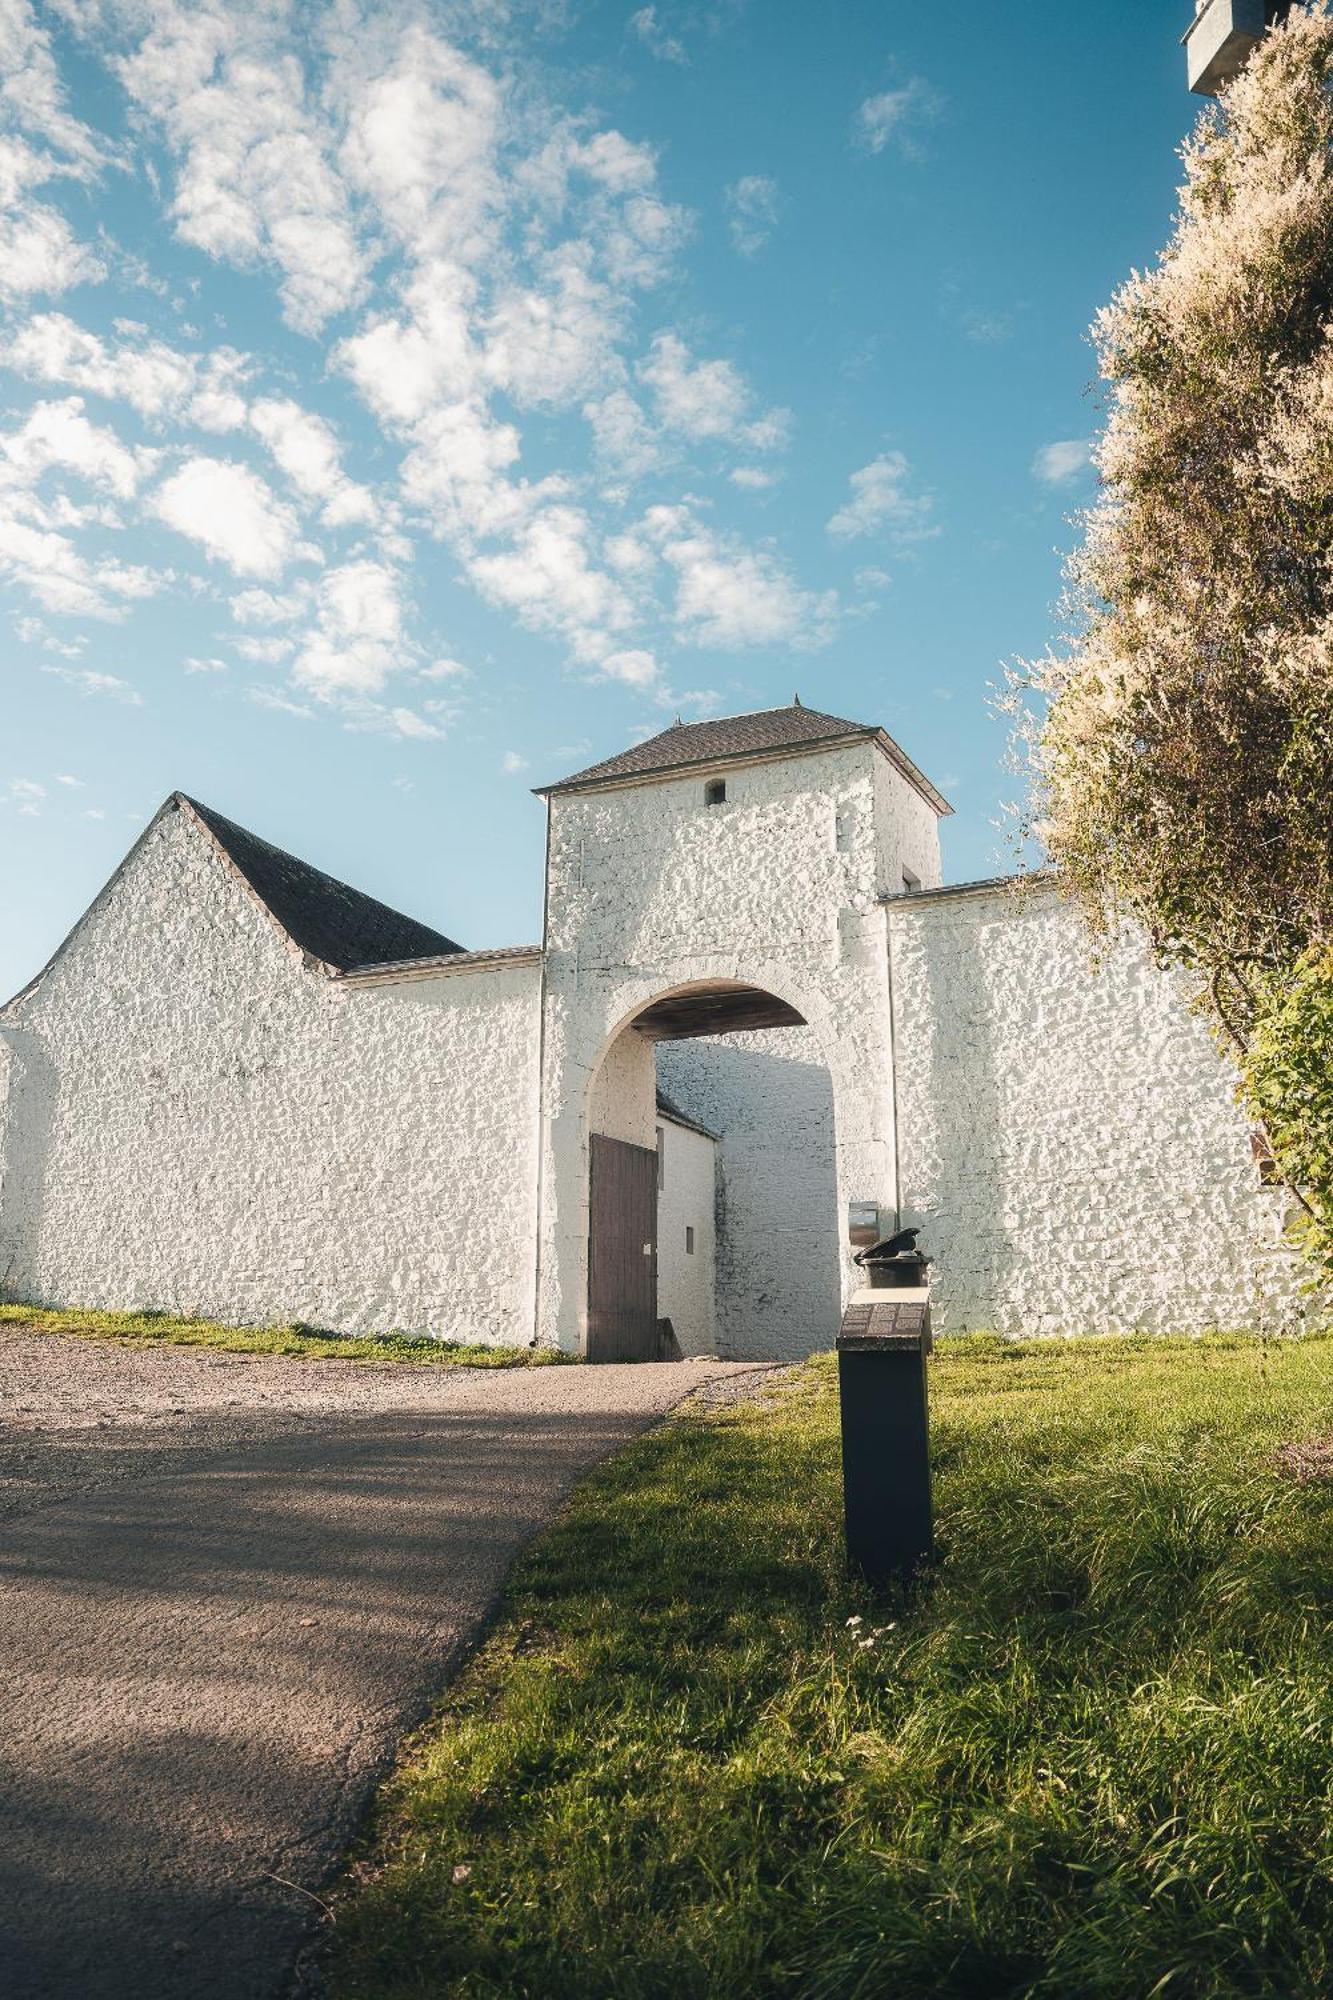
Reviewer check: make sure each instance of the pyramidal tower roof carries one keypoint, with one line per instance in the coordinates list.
(767, 732)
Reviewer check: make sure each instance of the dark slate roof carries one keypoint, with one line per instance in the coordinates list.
(737, 737)
(666, 1109)
(333, 922)
(729, 736)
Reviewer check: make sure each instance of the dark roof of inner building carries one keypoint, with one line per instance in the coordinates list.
(327, 918)
(739, 736)
(666, 1109)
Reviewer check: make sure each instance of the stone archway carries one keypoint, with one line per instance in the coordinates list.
(612, 1096)
(625, 1300)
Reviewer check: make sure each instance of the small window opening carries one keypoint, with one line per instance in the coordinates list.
(689, 1239)
(715, 792)
(661, 1158)
(910, 882)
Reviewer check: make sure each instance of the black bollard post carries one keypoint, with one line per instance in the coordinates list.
(882, 1348)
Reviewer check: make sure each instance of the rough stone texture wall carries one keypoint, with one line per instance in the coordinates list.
(687, 1198)
(908, 831)
(622, 1103)
(195, 1121)
(1068, 1138)
(769, 1096)
(650, 890)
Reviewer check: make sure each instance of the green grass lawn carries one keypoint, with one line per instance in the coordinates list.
(154, 1329)
(1094, 1756)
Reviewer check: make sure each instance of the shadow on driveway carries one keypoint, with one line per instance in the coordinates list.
(206, 1671)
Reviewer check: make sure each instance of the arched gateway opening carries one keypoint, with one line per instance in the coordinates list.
(711, 1181)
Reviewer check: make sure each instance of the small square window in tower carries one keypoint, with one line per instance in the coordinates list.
(715, 792)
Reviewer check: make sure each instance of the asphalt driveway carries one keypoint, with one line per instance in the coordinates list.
(228, 1585)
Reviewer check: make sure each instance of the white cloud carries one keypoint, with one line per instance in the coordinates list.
(641, 243)
(646, 24)
(705, 399)
(623, 438)
(233, 515)
(26, 795)
(86, 681)
(547, 578)
(615, 162)
(32, 95)
(1059, 464)
(265, 652)
(511, 237)
(752, 478)
(457, 472)
(882, 503)
(729, 595)
(421, 142)
(511, 763)
(66, 778)
(894, 115)
(33, 633)
(156, 380)
(267, 607)
(551, 343)
(635, 667)
(39, 252)
(278, 702)
(408, 723)
(59, 436)
(194, 664)
(404, 364)
(254, 181)
(357, 640)
(752, 212)
(306, 449)
(46, 563)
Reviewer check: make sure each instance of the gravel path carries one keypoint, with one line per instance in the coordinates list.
(228, 1585)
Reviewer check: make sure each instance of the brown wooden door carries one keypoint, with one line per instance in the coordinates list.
(622, 1252)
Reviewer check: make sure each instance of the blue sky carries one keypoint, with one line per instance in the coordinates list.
(406, 405)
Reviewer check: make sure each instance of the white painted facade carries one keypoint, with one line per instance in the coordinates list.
(196, 1121)
(686, 1234)
(1070, 1143)
(196, 1117)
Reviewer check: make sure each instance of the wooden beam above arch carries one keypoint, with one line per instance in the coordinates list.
(715, 1010)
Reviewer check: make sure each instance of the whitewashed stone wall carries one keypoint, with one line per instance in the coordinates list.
(650, 890)
(1069, 1140)
(769, 1096)
(196, 1121)
(193, 1119)
(687, 1199)
(623, 1099)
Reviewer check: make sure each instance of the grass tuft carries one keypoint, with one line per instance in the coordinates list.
(151, 1328)
(1092, 1756)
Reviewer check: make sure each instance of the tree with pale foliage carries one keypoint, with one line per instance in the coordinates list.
(1181, 741)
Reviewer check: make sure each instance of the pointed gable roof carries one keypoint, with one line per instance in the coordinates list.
(328, 919)
(765, 733)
